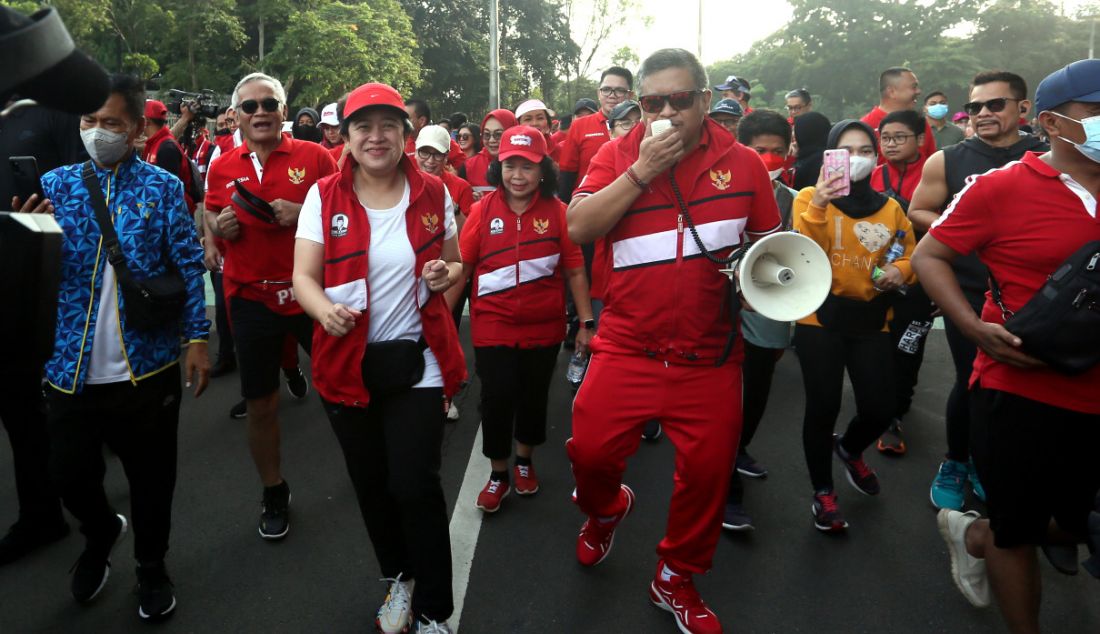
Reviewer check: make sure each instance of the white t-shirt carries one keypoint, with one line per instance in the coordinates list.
(391, 260)
(108, 364)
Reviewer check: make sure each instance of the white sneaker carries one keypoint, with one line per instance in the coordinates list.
(452, 412)
(395, 615)
(967, 571)
(432, 627)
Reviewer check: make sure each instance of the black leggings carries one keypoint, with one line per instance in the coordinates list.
(963, 352)
(756, 377)
(909, 330)
(515, 385)
(823, 354)
(393, 453)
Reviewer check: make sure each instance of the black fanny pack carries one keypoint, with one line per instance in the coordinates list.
(392, 366)
(1060, 325)
(853, 315)
(151, 303)
(252, 204)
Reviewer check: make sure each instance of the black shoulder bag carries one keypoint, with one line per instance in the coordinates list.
(1060, 324)
(151, 303)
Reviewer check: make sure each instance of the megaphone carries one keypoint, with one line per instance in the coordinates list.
(785, 276)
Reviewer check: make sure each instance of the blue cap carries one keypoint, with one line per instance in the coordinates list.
(728, 106)
(1080, 81)
(734, 83)
(585, 102)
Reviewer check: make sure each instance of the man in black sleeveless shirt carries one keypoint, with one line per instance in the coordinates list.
(998, 100)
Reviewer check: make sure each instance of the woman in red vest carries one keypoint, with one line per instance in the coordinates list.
(376, 249)
(516, 247)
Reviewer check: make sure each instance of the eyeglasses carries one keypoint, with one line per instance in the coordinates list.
(427, 155)
(626, 124)
(995, 105)
(464, 137)
(678, 100)
(495, 136)
(269, 104)
(607, 91)
(794, 109)
(896, 139)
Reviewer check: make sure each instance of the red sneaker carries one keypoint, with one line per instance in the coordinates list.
(527, 483)
(490, 497)
(596, 537)
(676, 593)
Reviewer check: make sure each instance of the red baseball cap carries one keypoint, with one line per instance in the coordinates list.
(523, 141)
(369, 95)
(155, 109)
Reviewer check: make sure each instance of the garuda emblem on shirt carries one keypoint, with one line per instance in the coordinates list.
(720, 179)
(431, 222)
(297, 175)
(542, 225)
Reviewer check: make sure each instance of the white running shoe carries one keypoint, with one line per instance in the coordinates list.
(967, 571)
(395, 614)
(432, 627)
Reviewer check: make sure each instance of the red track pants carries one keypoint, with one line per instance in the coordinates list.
(700, 411)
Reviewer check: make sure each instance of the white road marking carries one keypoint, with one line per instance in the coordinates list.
(465, 526)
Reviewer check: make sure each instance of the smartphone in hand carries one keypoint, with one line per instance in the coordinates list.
(836, 162)
(26, 178)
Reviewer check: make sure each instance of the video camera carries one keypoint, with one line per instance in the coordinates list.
(204, 105)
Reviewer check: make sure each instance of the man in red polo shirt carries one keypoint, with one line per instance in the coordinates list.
(587, 134)
(1034, 431)
(254, 194)
(662, 349)
(898, 89)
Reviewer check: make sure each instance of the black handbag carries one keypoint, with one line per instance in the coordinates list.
(1060, 324)
(854, 316)
(392, 366)
(151, 303)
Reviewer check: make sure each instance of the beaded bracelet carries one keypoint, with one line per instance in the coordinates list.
(633, 178)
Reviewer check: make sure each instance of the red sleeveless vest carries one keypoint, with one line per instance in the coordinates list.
(337, 371)
(518, 297)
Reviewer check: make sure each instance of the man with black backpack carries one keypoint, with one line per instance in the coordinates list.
(1035, 429)
(162, 150)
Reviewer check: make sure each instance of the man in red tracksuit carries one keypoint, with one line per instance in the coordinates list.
(666, 204)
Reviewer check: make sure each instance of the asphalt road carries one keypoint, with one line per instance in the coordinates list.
(890, 572)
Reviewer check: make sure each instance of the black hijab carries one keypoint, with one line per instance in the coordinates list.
(862, 201)
(811, 131)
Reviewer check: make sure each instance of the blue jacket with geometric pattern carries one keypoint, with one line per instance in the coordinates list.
(153, 227)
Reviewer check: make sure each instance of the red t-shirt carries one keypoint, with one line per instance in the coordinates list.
(461, 193)
(584, 139)
(903, 178)
(336, 152)
(875, 117)
(1024, 220)
(264, 251)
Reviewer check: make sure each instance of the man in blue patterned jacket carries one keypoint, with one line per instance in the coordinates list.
(110, 382)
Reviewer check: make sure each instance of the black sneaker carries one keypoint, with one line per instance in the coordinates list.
(652, 430)
(749, 467)
(826, 512)
(156, 600)
(90, 572)
(860, 476)
(239, 411)
(23, 538)
(275, 516)
(296, 382)
(736, 518)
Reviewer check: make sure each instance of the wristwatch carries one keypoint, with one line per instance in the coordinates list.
(589, 324)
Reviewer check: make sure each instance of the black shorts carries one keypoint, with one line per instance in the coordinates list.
(259, 333)
(1036, 462)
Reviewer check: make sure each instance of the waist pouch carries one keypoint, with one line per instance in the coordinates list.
(854, 315)
(1060, 324)
(392, 366)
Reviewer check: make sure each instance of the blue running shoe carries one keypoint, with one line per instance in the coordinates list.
(947, 488)
(975, 484)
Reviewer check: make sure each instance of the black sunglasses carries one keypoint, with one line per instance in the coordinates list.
(678, 100)
(496, 136)
(269, 104)
(464, 137)
(995, 105)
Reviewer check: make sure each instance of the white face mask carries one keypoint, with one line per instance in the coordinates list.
(104, 146)
(860, 167)
(774, 174)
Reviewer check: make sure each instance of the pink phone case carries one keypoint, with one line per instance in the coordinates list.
(836, 162)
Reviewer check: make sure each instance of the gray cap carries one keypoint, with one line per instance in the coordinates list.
(620, 111)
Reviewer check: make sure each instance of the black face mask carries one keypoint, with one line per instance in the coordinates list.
(306, 133)
(223, 132)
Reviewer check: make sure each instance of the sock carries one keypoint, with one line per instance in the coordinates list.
(523, 462)
(668, 573)
(499, 476)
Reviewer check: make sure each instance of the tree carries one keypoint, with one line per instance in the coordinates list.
(602, 19)
(453, 39)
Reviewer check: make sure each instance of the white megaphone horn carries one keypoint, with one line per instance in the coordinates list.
(784, 276)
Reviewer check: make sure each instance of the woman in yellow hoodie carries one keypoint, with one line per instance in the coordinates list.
(849, 330)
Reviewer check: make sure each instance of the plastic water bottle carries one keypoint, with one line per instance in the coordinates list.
(578, 364)
(896, 250)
